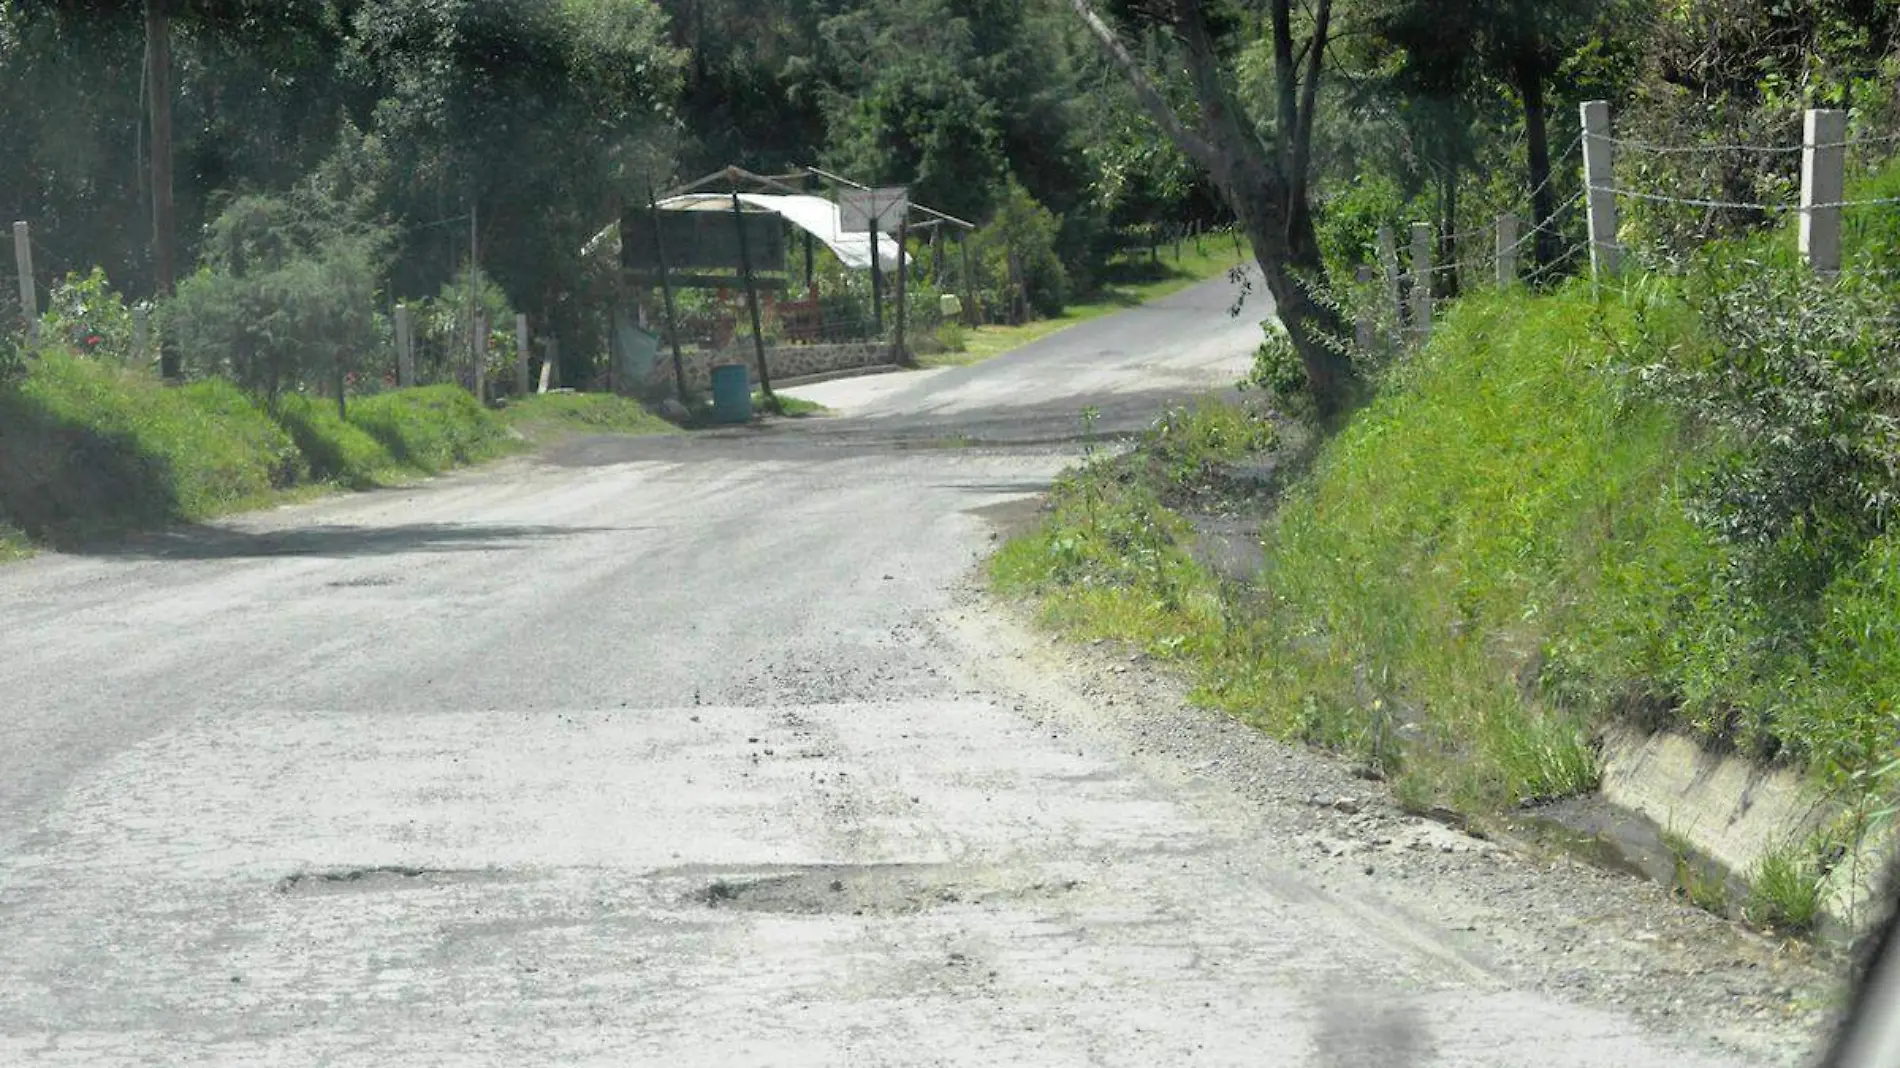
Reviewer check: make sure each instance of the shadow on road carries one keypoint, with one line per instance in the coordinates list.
(223, 543)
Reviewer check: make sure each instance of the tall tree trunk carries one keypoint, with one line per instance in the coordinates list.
(1529, 69)
(1254, 180)
(164, 228)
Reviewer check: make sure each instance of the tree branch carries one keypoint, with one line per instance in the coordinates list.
(1186, 139)
(1309, 100)
(1286, 81)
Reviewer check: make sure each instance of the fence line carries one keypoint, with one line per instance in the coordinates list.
(1743, 205)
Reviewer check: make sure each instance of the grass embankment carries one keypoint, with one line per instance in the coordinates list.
(547, 416)
(1503, 551)
(90, 449)
(1129, 283)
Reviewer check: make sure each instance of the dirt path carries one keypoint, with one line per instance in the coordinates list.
(704, 752)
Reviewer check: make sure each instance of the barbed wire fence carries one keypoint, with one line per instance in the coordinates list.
(1398, 311)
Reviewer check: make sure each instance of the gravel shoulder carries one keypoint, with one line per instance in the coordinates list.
(1535, 919)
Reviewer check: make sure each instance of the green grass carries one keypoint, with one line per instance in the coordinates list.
(783, 404)
(1214, 259)
(1695, 879)
(90, 449)
(14, 545)
(550, 415)
(1495, 556)
(337, 450)
(1787, 890)
(432, 428)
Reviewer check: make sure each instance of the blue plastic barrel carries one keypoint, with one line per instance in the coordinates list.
(732, 393)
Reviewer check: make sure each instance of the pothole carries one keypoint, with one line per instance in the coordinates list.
(864, 890)
(382, 877)
(369, 582)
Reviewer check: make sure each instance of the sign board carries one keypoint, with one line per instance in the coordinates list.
(701, 239)
(862, 211)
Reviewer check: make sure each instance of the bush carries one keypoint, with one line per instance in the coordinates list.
(286, 298)
(432, 428)
(1019, 244)
(87, 315)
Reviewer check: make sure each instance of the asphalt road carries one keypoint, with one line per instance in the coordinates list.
(689, 751)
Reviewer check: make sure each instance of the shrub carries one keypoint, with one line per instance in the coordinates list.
(85, 313)
(286, 298)
(1019, 245)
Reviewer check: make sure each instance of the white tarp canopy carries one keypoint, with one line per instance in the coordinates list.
(814, 215)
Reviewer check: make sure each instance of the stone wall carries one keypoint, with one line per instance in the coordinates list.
(785, 362)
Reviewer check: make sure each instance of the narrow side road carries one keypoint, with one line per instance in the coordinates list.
(705, 751)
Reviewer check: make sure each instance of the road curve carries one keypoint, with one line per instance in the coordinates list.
(683, 751)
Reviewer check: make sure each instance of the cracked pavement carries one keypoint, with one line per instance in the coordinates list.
(695, 750)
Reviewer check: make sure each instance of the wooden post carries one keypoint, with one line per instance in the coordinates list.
(1394, 288)
(1823, 182)
(521, 356)
(1507, 250)
(752, 296)
(1599, 176)
(474, 331)
(158, 95)
(666, 294)
(877, 279)
(1421, 282)
(480, 369)
(811, 264)
(969, 282)
(1365, 333)
(141, 333)
(551, 366)
(903, 286)
(405, 347)
(29, 300)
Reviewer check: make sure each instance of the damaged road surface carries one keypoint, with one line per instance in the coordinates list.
(700, 751)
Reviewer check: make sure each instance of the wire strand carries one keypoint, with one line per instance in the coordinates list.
(1766, 150)
(1740, 205)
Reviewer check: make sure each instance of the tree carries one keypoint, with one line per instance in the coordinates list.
(1262, 169)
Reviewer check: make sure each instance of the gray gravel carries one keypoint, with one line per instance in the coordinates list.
(705, 751)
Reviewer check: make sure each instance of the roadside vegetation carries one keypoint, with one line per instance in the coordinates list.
(92, 448)
(1667, 502)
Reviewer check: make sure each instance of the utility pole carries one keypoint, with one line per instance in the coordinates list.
(158, 91)
(474, 346)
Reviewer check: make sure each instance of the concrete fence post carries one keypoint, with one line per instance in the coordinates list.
(1365, 330)
(478, 355)
(1394, 288)
(1421, 282)
(1823, 182)
(141, 333)
(29, 299)
(521, 356)
(1507, 249)
(405, 347)
(1599, 177)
